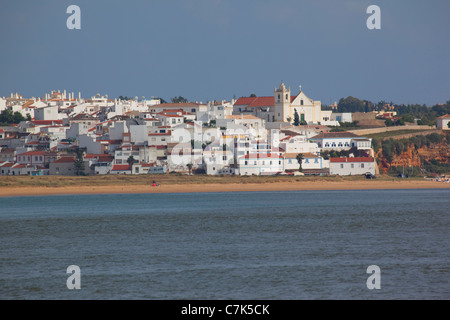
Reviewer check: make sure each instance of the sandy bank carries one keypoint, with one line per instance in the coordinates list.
(225, 187)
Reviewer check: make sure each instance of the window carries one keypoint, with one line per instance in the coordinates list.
(290, 161)
(340, 144)
(286, 96)
(327, 145)
(136, 170)
(362, 165)
(306, 160)
(246, 162)
(263, 162)
(352, 165)
(342, 166)
(255, 163)
(174, 121)
(301, 102)
(316, 160)
(193, 110)
(333, 144)
(224, 158)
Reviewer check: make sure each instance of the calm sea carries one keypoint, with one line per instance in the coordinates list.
(252, 245)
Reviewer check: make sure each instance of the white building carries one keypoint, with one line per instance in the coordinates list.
(352, 166)
(443, 122)
(342, 117)
(260, 164)
(282, 107)
(46, 113)
(341, 141)
(298, 144)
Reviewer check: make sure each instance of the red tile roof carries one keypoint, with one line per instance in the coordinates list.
(7, 164)
(121, 167)
(65, 160)
(46, 122)
(33, 153)
(353, 159)
(262, 156)
(258, 101)
(175, 105)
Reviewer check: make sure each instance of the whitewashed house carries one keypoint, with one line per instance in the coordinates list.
(352, 166)
(260, 164)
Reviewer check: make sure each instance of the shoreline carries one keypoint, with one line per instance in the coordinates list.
(221, 187)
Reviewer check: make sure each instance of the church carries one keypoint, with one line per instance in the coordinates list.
(282, 105)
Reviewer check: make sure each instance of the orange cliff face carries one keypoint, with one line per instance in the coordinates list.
(413, 157)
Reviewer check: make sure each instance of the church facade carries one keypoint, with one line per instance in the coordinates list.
(281, 107)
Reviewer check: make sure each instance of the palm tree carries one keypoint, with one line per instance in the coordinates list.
(130, 160)
(299, 160)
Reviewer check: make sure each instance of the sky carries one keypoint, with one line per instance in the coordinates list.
(220, 49)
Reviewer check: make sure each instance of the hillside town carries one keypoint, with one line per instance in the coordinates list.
(284, 133)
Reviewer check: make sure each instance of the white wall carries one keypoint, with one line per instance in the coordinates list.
(89, 143)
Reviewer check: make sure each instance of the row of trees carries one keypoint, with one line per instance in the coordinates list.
(408, 113)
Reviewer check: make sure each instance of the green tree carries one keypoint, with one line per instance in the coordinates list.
(299, 158)
(17, 117)
(352, 104)
(79, 162)
(289, 119)
(179, 99)
(296, 118)
(131, 160)
(8, 117)
(253, 95)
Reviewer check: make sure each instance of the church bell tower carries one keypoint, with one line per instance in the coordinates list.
(282, 97)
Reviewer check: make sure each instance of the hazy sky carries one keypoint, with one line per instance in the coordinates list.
(217, 49)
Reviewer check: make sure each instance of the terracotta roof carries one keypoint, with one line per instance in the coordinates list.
(445, 116)
(174, 105)
(262, 156)
(353, 159)
(65, 160)
(244, 116)
(33, 153)
(7, 164)
(258, 101)
(46, 122)
(121, 167)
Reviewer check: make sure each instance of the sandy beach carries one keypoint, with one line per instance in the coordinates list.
(8, 191)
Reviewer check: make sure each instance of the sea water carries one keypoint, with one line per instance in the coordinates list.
(244, 245)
